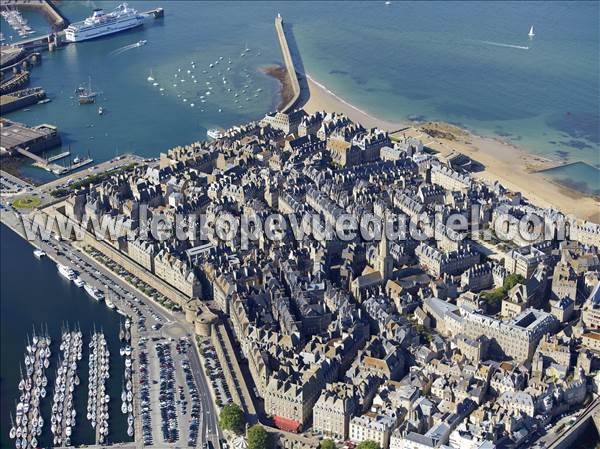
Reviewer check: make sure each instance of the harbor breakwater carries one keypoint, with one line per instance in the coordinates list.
(289, 65)
(46, 7)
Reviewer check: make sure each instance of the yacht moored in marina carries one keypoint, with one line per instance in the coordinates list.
(78, 282)
(39, 253)
(93, 292)
(66, 272)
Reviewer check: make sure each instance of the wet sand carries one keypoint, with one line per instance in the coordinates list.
(286, 93)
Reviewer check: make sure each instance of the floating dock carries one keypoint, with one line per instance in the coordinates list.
(57, 169)
(57, 157)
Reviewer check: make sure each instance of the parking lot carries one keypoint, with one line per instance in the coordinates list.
(214, 372)
(170, 398)
(11, 185)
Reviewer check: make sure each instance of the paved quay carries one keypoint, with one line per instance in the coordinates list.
(12, 187)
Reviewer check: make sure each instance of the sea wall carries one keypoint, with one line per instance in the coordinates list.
(46, 7)
(289, 64)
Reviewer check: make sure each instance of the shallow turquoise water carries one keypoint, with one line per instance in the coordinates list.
(469, 63)
(575, 176)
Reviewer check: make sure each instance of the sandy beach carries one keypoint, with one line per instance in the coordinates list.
(512, 166)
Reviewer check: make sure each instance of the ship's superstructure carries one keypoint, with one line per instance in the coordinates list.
(101, 23)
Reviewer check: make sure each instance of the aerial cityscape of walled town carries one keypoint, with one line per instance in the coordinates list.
(308, 278)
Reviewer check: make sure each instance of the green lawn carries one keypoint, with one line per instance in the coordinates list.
(27, 202)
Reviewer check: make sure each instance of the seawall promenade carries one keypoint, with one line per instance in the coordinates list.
(289, 65)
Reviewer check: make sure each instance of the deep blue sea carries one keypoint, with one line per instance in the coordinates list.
(469, 63)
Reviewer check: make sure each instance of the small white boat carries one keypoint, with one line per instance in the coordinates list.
(66, 272)
(39, 253)
(78, 282)
(150, 78)
(531, 34)
(214, 133)
(94, 293)
(141, 42)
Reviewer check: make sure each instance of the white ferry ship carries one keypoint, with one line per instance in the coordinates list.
(101, 23)
(66, 272)
(93, 292)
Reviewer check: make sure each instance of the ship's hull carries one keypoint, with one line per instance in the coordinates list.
(102, 30)
(87, 99)
(39, 253)
(66, 272)
(93, 293)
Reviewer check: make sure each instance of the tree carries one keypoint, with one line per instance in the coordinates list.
(512, 280)
(327, 444)
(258, 438)
(232, 418)
(368, 444)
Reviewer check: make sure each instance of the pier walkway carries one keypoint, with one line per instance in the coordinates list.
(49, 165)
(40, 161)
(30, 155)
(35, 42)
(289, 65)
